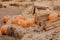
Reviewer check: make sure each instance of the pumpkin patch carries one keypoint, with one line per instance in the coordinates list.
(29, 19)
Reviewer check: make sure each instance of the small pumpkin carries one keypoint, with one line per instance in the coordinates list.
(14, 21)
(6, 18)
(53, 15)
(20, 21)
(31, 21)
(24, 24)
(3, 29)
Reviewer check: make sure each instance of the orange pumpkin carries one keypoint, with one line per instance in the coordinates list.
(20, 17)
(14, 21)
(6, 18)
(4, 5)
(3, 29)
(24, 24)
(53, 15)
(31, 21)
(20, 21)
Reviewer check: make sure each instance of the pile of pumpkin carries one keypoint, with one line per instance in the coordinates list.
(19, 20)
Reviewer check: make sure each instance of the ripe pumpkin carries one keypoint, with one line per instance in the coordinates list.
(53, 15)
(4, 5)
(24, 24)
(6, 18)
(3, 29)
(20, 21)
(31, 21)
(20, 17)
(14, 21)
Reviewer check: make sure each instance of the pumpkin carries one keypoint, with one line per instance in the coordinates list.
(4, 5)
(53, 15)
(24, 24)
(6, 18)
(14, 21)
(31, 21)
(3, 29)
(20, 21)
